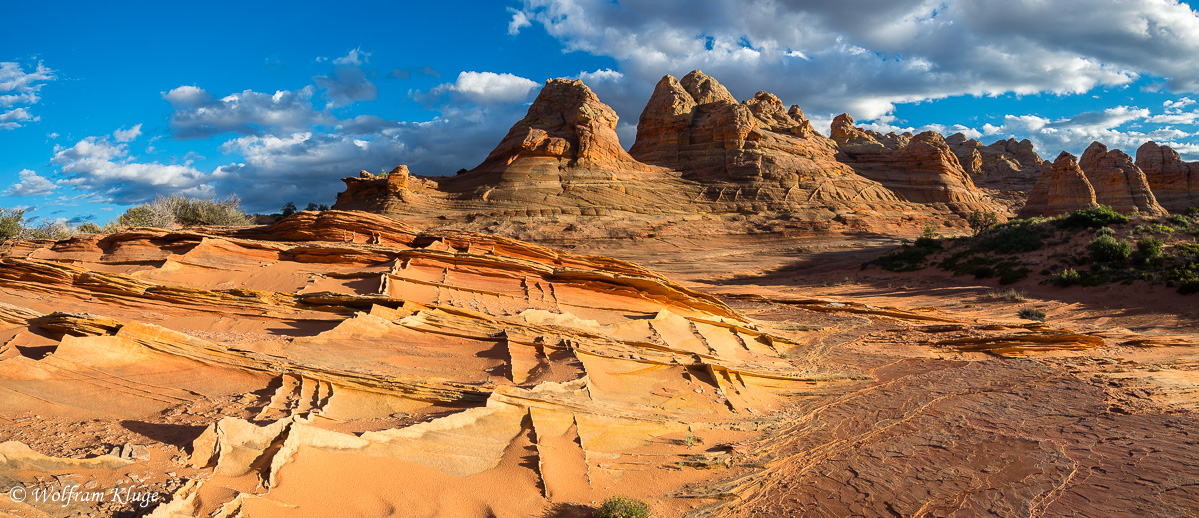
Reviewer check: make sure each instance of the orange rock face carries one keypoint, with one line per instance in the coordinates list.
(1062, 189)
(695, 126)
(698, 151)
(266, 368)
(1006, 170)
(566, 152)
(1175, 183)
(920, 168)
(394, 191)
(1117, 181)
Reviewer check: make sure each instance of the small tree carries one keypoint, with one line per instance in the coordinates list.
(930, 232)
(289, 208)
(980, 220)
(10, 223)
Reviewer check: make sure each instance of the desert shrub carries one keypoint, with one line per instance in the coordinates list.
(210, 211)
(1100, 216)
(927, 243)
(90, 228)
(146, 215)
(623, 507)
(288, 209)
(1014, 237)
(10, 223)
(1105, 231)
(1032, 314)
(1154, 229)
(1191, 212)
(980, 220)
(907, 259)
(1189, 286)
(173, 210)
(1148, 249)
(1067, 277)
(1010, 295)
(48, 230)
(910, 257)
(1179, 219)
(1107, 249)
(1012, 275)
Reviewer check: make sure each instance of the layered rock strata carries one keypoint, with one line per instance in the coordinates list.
(1175, 183)
(1005, 170)
(1061, 190)
(920, 168)
(1117, 181)
(698, 151)
(345, 353)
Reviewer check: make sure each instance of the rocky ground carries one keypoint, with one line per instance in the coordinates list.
(342, 363)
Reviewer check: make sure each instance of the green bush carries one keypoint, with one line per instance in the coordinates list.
(1154, 229)
(1014, 237)
(210, 211)
(10, 223)
(1100, 216)
(173, 210)
(1105, 231)
(90, 228)
(623, 507)
(927, 243)
(1067, 277)
(910, 257)
(1179, 219)
(980, 220)
(1010, 295)
(145, 215)
(1148, 248)
(1032, 314)
(48, 230)
(1106, 249)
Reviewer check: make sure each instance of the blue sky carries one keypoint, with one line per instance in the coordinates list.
(105, 106)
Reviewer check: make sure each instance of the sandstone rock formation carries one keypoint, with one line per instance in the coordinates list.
(565, 147)
(695, 126)
(920, 168)
(346, 364)
(698, 152)
(1175, 183)
(1006, 170)
(395, 191)
(347, 354)
(1061, 190)
(1117, 181)
(563, 157)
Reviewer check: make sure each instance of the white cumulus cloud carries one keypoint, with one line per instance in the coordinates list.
(30, 185)
(519, 21)
(127, 135)
(20, 87)
(865, 57)
(198, 115)
(97, 165)
(488, 87)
